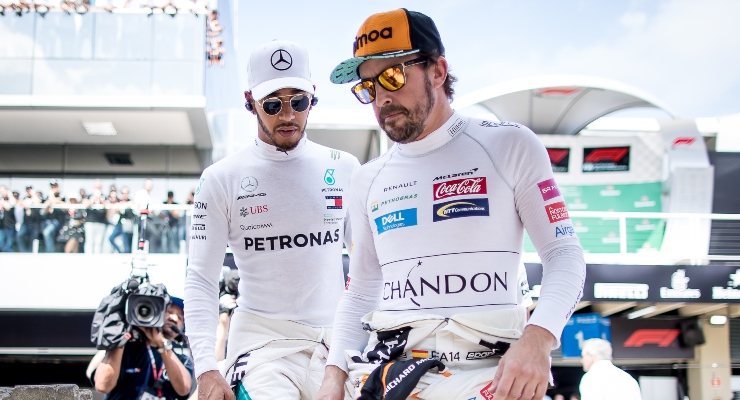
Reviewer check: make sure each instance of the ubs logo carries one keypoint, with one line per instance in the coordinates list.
(281, 60)
(373, 35)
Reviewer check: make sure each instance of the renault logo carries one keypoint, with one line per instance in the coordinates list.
(249, 184)
(281, 60)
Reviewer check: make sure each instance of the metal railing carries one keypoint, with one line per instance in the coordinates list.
(647, 237)
(607, 237)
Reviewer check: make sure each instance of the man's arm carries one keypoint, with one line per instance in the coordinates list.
(179, 375)
(209, 235)
(360, 297)
(108, 371)
(524, 370)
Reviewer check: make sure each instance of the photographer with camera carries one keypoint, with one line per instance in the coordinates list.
(156, 366)
(140, 326)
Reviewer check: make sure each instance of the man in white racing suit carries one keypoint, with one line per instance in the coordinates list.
(438, 226)
(279, 205)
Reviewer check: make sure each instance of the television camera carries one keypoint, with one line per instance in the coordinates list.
(135, 303)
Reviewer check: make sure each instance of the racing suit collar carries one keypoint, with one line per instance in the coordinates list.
(270, 152)
(440, 137)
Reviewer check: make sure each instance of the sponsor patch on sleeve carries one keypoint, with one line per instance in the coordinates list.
(548, 189)
(556, 212)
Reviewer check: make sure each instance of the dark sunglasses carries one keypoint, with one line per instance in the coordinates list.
(391, 79)
(298, 102)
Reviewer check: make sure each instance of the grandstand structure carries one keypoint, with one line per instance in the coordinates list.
(126, 94)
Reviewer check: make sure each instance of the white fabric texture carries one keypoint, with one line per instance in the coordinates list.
(283, 217)
(604, 381)
(275, 359)
(438, 227)
(462, 342)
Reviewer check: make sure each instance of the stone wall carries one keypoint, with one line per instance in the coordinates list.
(47, 392)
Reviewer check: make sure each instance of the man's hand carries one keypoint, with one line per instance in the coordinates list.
(153, 336)
(524, 371)
(332, 388)
(213, 386)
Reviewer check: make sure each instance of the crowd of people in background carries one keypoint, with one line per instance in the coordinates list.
(104, 221)
(171, 7)
(215, 50)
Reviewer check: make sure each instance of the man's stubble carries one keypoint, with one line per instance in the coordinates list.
(416, 120)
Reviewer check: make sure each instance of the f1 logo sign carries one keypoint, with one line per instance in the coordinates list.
(607, 154)
(661, 337)
(557, 155)
(686, 141)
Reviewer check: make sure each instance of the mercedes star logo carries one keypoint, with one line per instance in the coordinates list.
(281, 60)
(249, 184)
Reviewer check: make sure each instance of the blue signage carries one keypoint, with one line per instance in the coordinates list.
(460, 208)
(395, 220)
(581, 327)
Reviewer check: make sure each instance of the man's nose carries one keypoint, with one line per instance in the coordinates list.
(286, 112)
(382, 96)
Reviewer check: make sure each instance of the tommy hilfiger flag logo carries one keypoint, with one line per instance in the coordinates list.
(333, 202)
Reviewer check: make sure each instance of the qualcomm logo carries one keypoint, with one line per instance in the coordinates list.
(729, 292)
(679, 287)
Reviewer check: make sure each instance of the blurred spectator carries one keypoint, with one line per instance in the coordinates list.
(31, 226)
(143, 197)
(604, 381)
(184, 218)
(125, 225)
(54, 217)
(559, 397)
(170, 224)
(215, 49)
(7, 220)
(96, 222)
(112, 215)
(72, 234)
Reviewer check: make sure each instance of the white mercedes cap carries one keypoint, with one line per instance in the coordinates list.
(277, 65)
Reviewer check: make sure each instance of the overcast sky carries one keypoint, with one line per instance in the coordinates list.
(684, 53)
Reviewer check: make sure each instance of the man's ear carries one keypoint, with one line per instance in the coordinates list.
(439, 69)
(249, 104)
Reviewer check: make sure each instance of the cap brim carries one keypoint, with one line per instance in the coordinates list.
(346, 71)
(263, 89)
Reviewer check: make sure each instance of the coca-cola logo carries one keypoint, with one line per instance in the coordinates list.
(459, 187)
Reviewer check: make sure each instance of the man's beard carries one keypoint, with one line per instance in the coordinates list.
(273, 134)
(416, 120)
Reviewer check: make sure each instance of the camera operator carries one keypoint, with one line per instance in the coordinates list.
(152, 368)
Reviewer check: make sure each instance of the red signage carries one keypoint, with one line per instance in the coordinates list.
(559, 159)
(556, 212)
(613, 154)
(459, 187)
(661, 337)
(606, 159)
(558, 91)
(686, 141)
